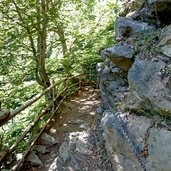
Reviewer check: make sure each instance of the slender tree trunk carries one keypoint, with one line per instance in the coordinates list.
(66, 64)
(41, 74)
(61, 35)
(39, 51)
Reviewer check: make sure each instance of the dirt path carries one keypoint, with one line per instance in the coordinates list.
(74, 129)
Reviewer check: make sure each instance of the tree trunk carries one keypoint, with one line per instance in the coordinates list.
(39, 51)
(61, 35)
(66, 64)
(41, 75)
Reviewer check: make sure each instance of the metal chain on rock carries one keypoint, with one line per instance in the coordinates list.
(121, 128)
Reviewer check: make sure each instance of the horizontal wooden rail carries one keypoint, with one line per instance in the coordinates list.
(66, 91)
(33, 100)
(17, 166)
(28, 129)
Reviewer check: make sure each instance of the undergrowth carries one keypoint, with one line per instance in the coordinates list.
(12, 95)
(145, 44)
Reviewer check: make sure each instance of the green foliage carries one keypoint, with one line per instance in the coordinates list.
(84, 27)
(87, 51)
(146, 44)
(11, 131)
(77, 31)
(13, 96)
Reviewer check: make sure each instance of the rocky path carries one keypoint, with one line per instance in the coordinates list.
(78, 142)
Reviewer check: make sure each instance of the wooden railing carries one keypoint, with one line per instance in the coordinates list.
(9, 115)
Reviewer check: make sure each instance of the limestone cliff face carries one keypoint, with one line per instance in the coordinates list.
(135, 78)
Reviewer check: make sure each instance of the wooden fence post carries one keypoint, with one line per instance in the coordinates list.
(97, 83)
(65, 83)
(53, 95)
(80, 78)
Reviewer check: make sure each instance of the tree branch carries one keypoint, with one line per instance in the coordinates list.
(25, 26)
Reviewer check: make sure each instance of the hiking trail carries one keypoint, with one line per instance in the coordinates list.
(79, 141)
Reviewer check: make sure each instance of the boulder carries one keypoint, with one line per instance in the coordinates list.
(165, 41)
(120, 55)
(99, 110)
(99, 67)
(65, 152)
(75, 152)
(160, 5)
(161, 9)
(48, 139)
(144, 135)
(41, 149)
(156, 2)
(34, 159)
(130, 6)
(126, 26)
(131, 140)
(149, 85)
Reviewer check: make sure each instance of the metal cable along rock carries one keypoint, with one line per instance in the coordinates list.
(124, 133)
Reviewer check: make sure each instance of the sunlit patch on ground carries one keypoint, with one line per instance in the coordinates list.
(72, 127)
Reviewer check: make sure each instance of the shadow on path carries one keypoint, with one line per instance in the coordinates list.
(74, 130)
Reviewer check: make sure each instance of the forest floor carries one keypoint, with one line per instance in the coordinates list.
(75, 130)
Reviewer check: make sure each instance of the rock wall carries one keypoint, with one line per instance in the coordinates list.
(135, 78)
